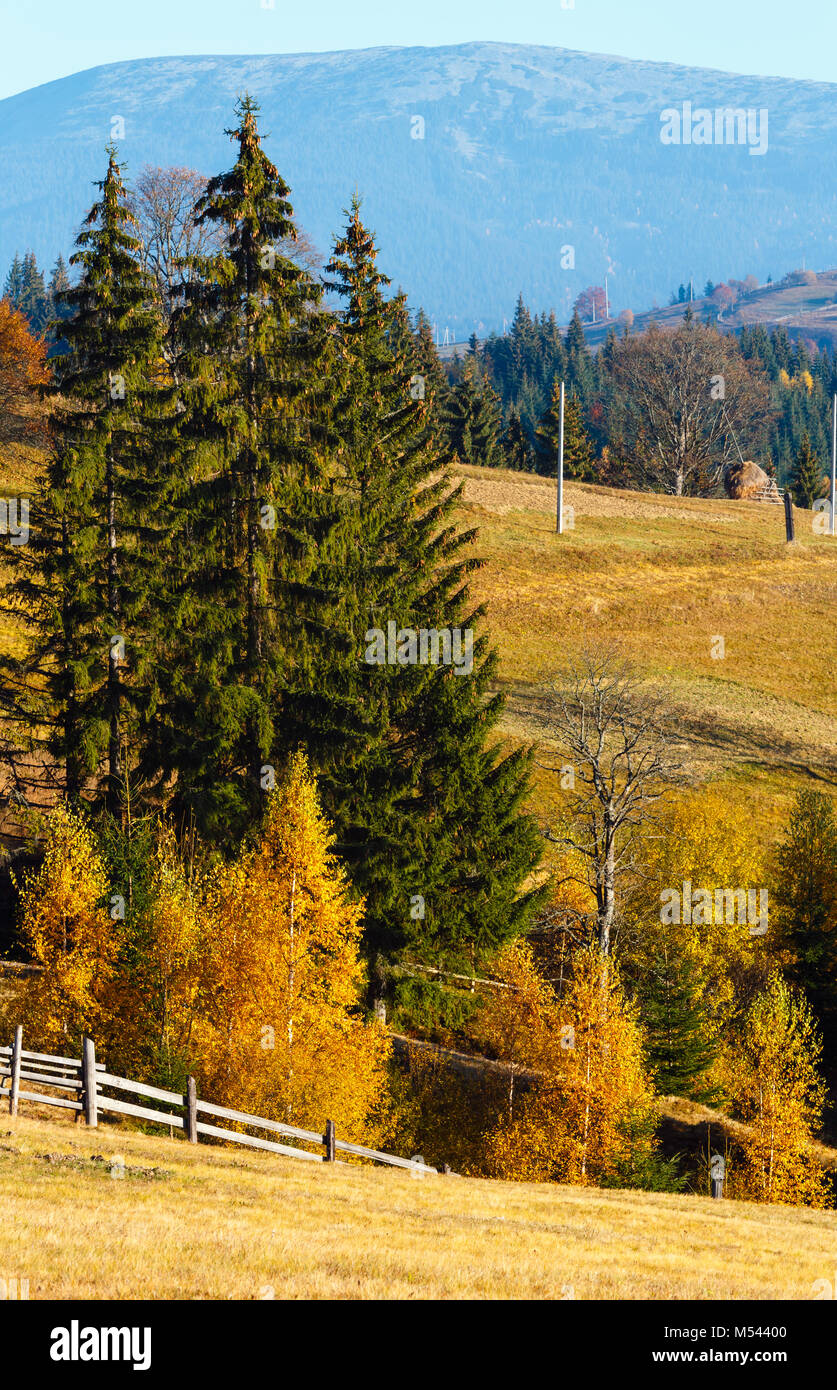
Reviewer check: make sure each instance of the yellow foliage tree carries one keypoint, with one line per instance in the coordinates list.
(777, 1091)
(67, 929)
(589, 1094)
(156, 995)
(280, 1031)
(519, 1021)
(703, 840)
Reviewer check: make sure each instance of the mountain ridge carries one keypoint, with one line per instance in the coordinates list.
(536, 147)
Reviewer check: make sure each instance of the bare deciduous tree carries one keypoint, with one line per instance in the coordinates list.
(691, 400)
(617, 734)
(163, 204)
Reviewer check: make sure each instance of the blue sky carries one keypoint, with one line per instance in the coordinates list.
(46, 39)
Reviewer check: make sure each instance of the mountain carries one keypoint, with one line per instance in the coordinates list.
(479, 165)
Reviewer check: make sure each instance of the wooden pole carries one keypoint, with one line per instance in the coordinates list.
(190, 1103)
(88, 1081)
(560, 518)
(17, 1048)
(717, 1170)
(329, 1142)
(833, 465)
(788, 516)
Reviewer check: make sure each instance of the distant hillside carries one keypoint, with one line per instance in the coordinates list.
(524, 151)
(806, 311)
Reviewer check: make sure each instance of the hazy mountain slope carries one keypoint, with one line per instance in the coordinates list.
(525, 150)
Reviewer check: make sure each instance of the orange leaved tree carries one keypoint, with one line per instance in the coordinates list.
(281, 1031)
(22, 370)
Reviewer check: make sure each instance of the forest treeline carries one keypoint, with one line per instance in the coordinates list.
(496, 405)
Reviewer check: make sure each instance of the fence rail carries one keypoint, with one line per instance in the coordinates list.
(89, 1081)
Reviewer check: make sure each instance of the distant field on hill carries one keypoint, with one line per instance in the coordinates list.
(212, 1223)
(661, 577)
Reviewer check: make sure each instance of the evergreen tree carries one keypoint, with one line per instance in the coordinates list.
(807, 479)
(679, 1033)
(578, 452)
(579, 367)
(426, 815)
(33, 300)
(806, 906)
(252, 361)
(516, 446)
(59, 309)
(472, 417)
(80, 582)
(13, 287)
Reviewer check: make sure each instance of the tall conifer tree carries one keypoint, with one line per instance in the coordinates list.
(79, 583)
(428, 817)
(252, 351)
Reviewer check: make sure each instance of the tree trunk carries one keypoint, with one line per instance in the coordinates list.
(114, 694)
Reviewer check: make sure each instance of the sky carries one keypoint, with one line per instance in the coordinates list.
(46, 39)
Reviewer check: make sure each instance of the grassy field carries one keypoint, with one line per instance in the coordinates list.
(218, 1224)
(661, 577)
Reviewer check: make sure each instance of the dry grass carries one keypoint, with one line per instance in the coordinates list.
(660, 577)
(219, 1225)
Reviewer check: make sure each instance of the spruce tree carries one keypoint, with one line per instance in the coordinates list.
(33, 300)
(681, 1044)
(516, 446)
(578, 451)
(472, 417)
(13, 287)
(428, 818)
(805, 893)
(807, 478)
(250, 359)
(78, 585)
(579, 366)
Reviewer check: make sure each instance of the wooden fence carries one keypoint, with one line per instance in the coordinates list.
(85, 1085)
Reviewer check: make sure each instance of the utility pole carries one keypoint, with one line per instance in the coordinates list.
(833, 463)
(560, 517)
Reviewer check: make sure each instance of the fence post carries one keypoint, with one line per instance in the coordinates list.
(17, 1048)
(190, 1102)
(788, 515)
(88, 1081)
(329, 1141)
(717, 1171)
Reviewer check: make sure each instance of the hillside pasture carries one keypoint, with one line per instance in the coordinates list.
(661, 577)
(209, 1223)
